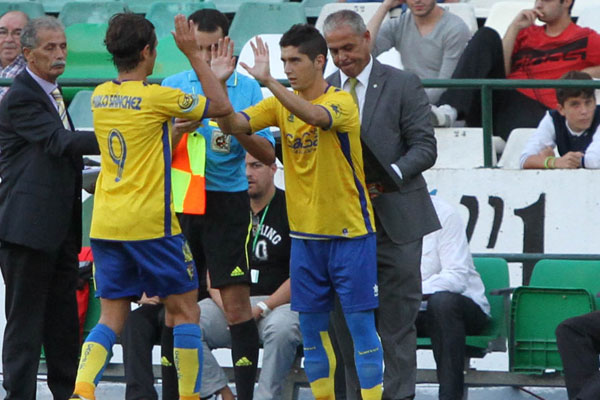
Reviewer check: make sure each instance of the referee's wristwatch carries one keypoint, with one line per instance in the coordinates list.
(265, 309)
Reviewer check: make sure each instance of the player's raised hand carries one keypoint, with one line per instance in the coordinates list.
(260, 71)
(184, 35)
(222, 62)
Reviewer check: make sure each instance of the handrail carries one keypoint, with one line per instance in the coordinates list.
(520, 257)
(485, 85)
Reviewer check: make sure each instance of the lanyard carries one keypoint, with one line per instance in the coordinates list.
(262, 219)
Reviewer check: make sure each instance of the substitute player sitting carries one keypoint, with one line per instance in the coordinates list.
(330, 214)
(136, 239)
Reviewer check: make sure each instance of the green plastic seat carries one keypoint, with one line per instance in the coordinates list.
(494, 274)
(274, 18)
(169, 60)
(162, 14)
(559, 289)
(32, 9)
(78, 12)
(233, 6)
(80, 110)
(312, 8)
(87, 57)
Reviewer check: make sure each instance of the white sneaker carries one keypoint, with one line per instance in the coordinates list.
(443, 116)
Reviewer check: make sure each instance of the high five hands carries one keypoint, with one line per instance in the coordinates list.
(260, 71)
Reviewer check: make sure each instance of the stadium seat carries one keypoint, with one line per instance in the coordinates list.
(366, 10)
(503, 13)
(170, 60)
(312, 8)
(590, 18)
(77, 12)
(494, 274)
(162, 14)
(274, 18)
(33, 10)
(275, 64)
(511, 156)
(80, 110)
(87, 57)
(558, 289)
(143, 6)
(232, 6)
(465, 11)
(460, 148)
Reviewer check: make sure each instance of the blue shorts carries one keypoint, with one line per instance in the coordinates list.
(320, 268)
(160, 267)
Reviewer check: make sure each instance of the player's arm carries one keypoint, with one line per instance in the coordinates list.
(219, 104)
(306, 111)
(524, 19)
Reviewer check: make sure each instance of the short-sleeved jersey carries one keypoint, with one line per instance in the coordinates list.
(539, 56)
(325, 185)
(132, 122)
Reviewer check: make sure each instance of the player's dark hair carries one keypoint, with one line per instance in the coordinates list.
(307, 39)
(562, 94)
(209, 20)
(126, 37)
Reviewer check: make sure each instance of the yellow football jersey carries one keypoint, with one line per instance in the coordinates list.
(325, 186)
(132, 122)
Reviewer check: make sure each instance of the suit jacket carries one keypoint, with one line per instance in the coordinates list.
(40, 168)
(396, 126)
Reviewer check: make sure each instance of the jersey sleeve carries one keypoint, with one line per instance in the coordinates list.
(176, 103)
(593, 48)
(263, 114)
(342, 110)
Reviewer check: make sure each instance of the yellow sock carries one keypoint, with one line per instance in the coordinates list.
(323, 389)
(92, 362)
(373, 393)
(188, 365)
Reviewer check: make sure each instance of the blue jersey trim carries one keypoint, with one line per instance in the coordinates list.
(205, 108)
(329, 115)
(304, 235)
(345, 146)
(245, 116)
(167, 173)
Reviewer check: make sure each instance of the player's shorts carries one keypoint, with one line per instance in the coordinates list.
(219, 238)
(346, 266)
(160, 267)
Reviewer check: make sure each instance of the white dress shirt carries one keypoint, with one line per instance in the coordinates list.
(545, 136)
(446, 262)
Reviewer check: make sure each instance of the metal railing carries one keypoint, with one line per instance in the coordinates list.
(487, 86)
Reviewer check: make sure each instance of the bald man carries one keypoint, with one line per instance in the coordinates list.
(11, 57)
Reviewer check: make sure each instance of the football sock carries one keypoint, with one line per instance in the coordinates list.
(244, 354)
(319, 359)
(187, 355)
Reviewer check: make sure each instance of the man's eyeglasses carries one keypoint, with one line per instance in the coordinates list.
(15, 34)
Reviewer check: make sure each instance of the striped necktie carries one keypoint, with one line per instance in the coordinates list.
(62, 111)
(353, 83)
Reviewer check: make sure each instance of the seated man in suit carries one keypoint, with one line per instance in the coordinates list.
(572, 127)
(454, 303)
(11, 58)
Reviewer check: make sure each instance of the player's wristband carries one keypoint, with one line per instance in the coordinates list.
(265, 309)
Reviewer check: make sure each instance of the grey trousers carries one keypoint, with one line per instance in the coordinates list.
(399, 281)
(279, 334)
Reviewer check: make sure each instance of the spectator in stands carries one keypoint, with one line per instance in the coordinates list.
(454, 303)
(429, 39)
(394, 113)
(572, 127)
(40, 218)
(527, 51)
(330, 214)
(11, 58)
(218, 238)
(279, 327)
(578, 341)
(136, 240)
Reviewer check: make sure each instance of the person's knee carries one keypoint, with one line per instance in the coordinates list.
(440, 304)
(280, 332)
(566, 330)
(236, 303)
(182, 309)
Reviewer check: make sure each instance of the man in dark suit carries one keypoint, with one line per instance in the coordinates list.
(40, 218)
(395, 126)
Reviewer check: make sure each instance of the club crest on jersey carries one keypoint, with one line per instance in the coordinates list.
(187, 102)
